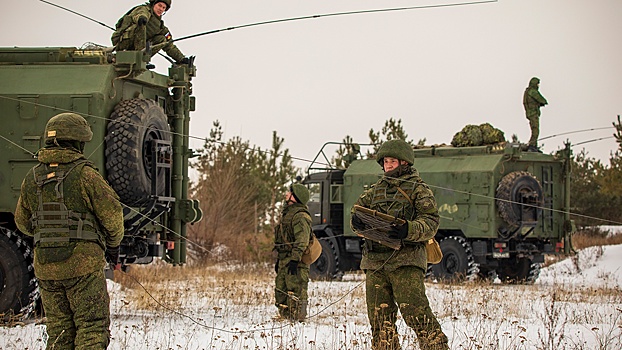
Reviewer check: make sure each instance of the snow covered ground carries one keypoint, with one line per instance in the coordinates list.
(575, 304)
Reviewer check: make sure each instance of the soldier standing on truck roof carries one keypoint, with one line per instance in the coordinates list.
(143, 24)
(291, 238)
(532, 101)
(394, 278)
(77, 222)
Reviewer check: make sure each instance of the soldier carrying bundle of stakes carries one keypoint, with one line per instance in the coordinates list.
(394, 278)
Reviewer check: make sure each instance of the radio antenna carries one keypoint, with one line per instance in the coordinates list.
(79, 14)
(334, 15)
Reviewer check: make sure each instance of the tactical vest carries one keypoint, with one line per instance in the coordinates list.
(386, 198)
(284, 232)
(389, 200)
(54, 225)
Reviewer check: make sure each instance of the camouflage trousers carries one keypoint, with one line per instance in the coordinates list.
(534, 125)
(403, 287)
(77, 311)
(134, 38)
(290, 292)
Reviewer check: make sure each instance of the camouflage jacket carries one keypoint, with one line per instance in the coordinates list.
(419, 210)
(291, 236)
(533, 100)
(157, 32)
(84, 192)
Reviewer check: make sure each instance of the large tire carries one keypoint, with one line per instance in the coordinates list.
(510, 190)
(133, 125)
(518, 271)
(326, 267)
(458, 263)
(18, 286)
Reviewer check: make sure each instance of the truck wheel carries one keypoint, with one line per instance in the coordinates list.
(511, 190)
(326, 267)
(458, 263)
(133, 125)
(18, 287)
(518, 271)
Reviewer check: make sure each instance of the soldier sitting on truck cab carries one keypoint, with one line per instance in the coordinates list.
(142, 24)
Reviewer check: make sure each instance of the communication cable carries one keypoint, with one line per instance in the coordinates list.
(575, 132)
(310, 161)
(346, 13)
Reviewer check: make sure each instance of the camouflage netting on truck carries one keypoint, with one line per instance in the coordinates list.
(474, 135)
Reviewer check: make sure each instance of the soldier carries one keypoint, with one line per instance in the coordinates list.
(532, 101)
(394, 278)
(77, 222)
(291, 238)
(143, 24)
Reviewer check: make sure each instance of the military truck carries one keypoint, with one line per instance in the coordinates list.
(140, 121)
(502, 209)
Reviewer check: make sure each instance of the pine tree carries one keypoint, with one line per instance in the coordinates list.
(240, 188)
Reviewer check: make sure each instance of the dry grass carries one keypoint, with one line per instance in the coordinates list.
(225, 306)
(170, 286)
(477, 315)
(591, 238)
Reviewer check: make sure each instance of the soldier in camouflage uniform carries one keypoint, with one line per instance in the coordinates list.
(143, 24)
(73, 215)
(291, 238)
(394, 278)
(532, 101)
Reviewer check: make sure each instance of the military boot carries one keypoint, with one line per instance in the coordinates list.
(301, 311)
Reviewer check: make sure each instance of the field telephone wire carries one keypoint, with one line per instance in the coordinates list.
(334, 14)
(292, 19)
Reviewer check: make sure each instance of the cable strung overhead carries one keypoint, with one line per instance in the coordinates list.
(347, 13)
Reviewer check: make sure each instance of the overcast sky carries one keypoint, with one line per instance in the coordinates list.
(318, 80)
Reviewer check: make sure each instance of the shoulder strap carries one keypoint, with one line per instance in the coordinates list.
(405, 195)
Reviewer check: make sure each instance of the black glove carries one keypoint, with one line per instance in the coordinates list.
(112, 255)
(276, 266)
(184, 60)
(142, 20)
(399, 231)
(357, 223)
(292, 267)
